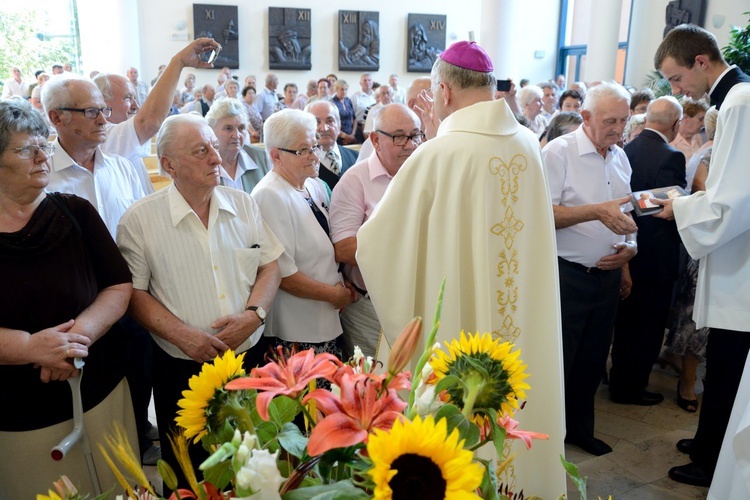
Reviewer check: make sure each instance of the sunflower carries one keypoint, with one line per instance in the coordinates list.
(207, 393)
(493, 376)
(419, 459)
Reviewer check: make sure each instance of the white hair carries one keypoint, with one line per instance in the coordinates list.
(529, 94)
(283, 127)
(226, 107)
(166, 135)
(605, 90)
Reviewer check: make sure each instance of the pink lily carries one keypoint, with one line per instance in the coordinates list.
(351, 417)
(510, 425)
(287, 376)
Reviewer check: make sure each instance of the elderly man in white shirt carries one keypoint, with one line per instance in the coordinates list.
(204, 267)
(589, 182)
(15, 86)
(133, 123)
(78, 111)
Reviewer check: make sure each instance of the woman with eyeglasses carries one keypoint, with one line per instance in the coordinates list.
(239, 170)
(293, 203)
(65, 286)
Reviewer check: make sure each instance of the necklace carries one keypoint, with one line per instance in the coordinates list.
(303, 190)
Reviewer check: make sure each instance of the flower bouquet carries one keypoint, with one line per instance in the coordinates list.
(311, 426)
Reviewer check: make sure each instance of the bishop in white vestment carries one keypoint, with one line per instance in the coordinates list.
(472, 205)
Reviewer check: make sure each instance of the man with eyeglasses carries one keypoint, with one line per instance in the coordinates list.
(133, 123)
(471, 205)
(395, 137)
(76, 108)
(334, 159)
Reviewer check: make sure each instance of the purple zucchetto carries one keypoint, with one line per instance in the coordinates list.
(467, 55)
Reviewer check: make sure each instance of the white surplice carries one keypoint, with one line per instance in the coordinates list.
(472, 205)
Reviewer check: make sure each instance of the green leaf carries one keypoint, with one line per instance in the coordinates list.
(447, 382)
(498, 433)
(467, 430)
(489, 484)
(283, 410)
(343, 490)
(266, 432)
(575, 476)
(219, 475)
(292, 440)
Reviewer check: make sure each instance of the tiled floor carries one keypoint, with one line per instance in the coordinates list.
(643, 440)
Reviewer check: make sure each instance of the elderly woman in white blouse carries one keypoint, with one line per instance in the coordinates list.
(229, 120)
(530, 99)
(292, 202)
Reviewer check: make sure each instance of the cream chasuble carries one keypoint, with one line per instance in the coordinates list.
(472, 205)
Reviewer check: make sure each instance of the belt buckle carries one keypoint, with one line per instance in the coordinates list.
(591, 270)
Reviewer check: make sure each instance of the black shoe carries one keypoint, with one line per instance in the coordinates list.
(645, 398)
(591, 445)
(685, 446)
(690, 474)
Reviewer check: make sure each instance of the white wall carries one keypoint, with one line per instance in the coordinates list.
(157, 19)
(139, 35)
(646, 32)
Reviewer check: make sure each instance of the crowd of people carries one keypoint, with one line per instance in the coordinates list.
(307, 242)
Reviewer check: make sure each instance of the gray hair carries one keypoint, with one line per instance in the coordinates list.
(529, 94)
(709, 122)
(105, 85)
(17, 116)
(281, 128)
(56, 93)
(634, 122)
(169, 129)
(381, 114)
(334, 109)
(461, 78)
(560, 124)
(659, 111)
(548, 85)
(224, 108)
(605, 90)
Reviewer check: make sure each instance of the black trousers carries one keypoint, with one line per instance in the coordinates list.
(726, 353)
(588, 305)
(639, 333)
(170, 378)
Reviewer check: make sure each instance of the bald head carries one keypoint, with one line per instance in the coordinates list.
(393, 124)
(664, 114)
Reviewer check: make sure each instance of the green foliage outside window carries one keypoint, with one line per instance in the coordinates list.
(20, 46)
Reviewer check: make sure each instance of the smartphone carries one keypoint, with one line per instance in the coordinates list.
(210, 56)
(503, 85)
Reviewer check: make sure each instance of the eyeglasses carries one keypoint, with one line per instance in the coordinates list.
(33, 150)
(316, 150)
(90, 113)
(401, 140)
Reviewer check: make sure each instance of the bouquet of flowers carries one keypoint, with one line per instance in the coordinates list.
(309, 425)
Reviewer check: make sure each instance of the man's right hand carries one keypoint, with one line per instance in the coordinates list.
(199, 345)
(610, 215)
(191, 55)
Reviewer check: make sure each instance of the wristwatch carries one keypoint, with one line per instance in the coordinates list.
(260, 312)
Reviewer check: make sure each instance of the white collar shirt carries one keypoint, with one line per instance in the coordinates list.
(122, 139)
(361, 102)
(13, 88)
(265, 103)
(578, 175)
(244, 163)
(111, 188)
(198, 273)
